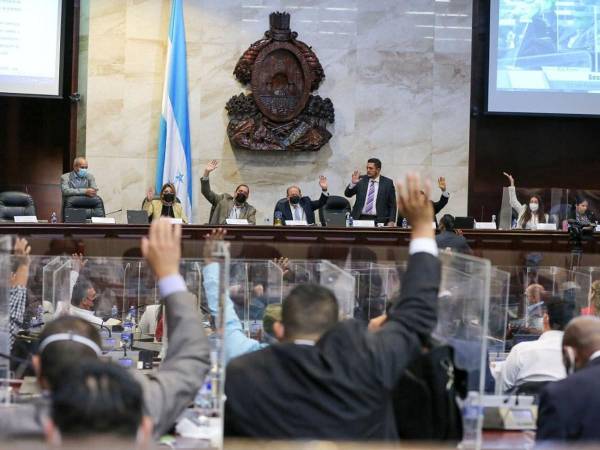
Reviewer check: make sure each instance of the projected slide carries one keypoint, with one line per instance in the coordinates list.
(30, 32)
(545, 46)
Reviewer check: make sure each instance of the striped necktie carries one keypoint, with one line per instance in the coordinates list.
(370, 198)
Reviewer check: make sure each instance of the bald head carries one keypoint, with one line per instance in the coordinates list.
(582, 339)
(80, 161)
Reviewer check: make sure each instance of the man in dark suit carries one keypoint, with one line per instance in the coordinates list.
(296, 207)
(375, 195)
(437, 206)
(330, 380)
(448, 238)
(569, 410)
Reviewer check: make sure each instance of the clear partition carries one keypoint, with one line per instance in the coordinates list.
(5, 326)
(589, 299)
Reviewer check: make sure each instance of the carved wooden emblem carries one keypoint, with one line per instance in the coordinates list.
(280, 113)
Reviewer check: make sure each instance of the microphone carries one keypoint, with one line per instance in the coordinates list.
(102, 326)
(114, 212)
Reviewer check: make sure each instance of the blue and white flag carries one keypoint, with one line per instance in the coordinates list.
(174, 163)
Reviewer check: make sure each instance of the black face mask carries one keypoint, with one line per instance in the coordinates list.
(294, 199)
(169, 197)
(240, 198)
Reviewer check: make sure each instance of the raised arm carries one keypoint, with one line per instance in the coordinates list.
(351, 188)
(173, 387)
(413, 316)
(212, 197)
(512, 194)
(443, 201)
(322, 201)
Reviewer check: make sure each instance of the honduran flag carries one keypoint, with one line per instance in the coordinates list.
(174, 150)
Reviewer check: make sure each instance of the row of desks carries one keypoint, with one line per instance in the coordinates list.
(381, 244)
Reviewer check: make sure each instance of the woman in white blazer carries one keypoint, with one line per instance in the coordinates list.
(530, 214)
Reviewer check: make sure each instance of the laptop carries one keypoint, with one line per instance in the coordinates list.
(75, 215)
(464, 223)
(137, 217)
(335, 219)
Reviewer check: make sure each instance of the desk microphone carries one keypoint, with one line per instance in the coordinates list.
(102, 326)
(114, 212)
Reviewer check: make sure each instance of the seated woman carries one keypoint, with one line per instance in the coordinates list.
(530, 214)
(580, 212)
(166, 206)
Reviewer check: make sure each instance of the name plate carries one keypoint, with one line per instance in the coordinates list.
(546, 226)
(485, 225)
(296, 223)
(597, 229)
(104, 220)
(26, 219)
(236, 221)
(363, 223)
(176, 221)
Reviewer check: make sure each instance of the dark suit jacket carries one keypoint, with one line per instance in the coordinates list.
(385, 202)
(437, 207)
(456, 242)
(569, 410)
(309, 206)
(340, 388)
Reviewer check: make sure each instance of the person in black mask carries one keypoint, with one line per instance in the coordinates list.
(166, 206)
(225, 206)
(297, 207)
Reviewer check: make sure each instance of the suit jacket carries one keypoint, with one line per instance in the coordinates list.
(437, 207)
(69, 190)
(222, 204)
(167, 392)
(154, 210)
(340, 387)
(455, 241)
(385, 202)
(569, 410)
(309, 206)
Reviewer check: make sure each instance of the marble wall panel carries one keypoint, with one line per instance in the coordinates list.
(396, 70)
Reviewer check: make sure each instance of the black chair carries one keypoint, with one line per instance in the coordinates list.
(92, 206)
(335, 208)
(14, 203)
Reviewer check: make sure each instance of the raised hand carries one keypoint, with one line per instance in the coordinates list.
(510, 178)
(150, 194)
(77, 262)
(355, 177)
(210, 167)
(442, 183)
(162, 247)
(22, 251)
(323, 182)
(415, 206)
(283, 263)
(210, 240)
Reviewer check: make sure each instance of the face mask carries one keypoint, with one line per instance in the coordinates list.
(240, 198)
(294, 199)
(534, 207)
(169, 197)
(81, 173)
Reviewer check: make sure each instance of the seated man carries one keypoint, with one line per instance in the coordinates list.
(69, 341)
(224, 206)
(538, 362)
(301, 208)
(83, 301)
(437, 206)
(569, 410)
(97, 399)
(333, 380)
(80, 183)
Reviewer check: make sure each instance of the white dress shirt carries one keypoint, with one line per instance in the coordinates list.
(300, 213)
(539, 360)
(376, 187)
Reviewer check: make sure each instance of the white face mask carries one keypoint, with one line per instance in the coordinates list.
(534, 207)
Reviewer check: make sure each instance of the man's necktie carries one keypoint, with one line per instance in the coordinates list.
(297, 214)
(370, 198)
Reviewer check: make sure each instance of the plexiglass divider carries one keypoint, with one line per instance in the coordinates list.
(5, 329)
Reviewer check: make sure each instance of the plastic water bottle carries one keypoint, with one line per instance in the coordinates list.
(514, 224)
(131, 315)
(470, 416)
(39, 315)
(278, 219)
(114, 312)
(494, 220)
(404, 223)
(53, 218)
(204, 399)
(349, 220)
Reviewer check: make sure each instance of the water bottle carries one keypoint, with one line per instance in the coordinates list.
(53, 218)
(494, 219)
(278, 219)
(470, 418)
(39, 315)
(204, 399)
(404, 223)
(131, 315)
(127, 334)
(349, 220)
(114, 312)
(514, 224)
